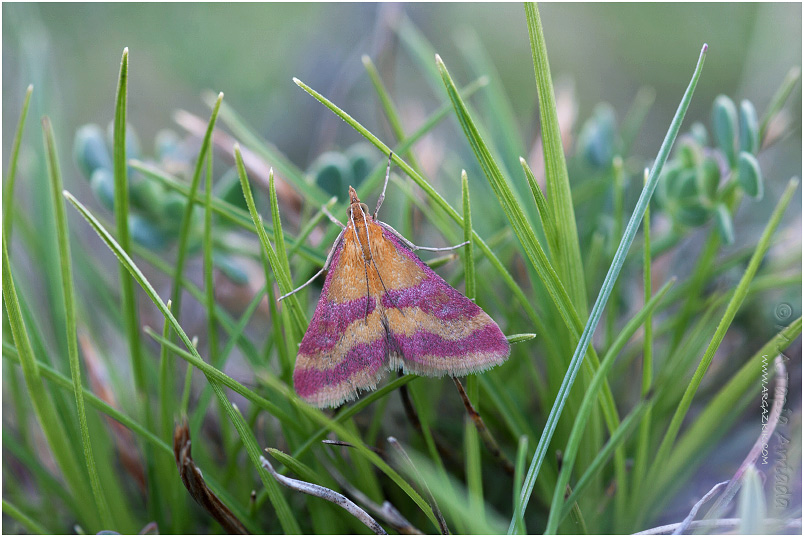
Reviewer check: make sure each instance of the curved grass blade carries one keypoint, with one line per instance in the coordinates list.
(134, 426)
(611, 276)
(214, 376)
(731, 311)
(280, 266)
(566, 248)
(430, 191)
(469, 257)
(30, 524)
(8, 190)
(233, 214)
(121, 204)
(62, 235)
(527, 238)
(313, 413)
(45, 412)
(270, 154)
(716, 418)
(580, 423)
(186, 219)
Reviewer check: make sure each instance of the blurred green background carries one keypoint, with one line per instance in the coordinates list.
(71, 52)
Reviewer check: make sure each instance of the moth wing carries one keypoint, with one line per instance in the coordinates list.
(433, 330)
(344, 349)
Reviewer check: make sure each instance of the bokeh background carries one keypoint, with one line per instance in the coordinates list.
(71, 54)
(598, 53)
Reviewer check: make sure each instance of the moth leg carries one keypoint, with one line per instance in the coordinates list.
(415, 247)
(317, 274)
(384, 186)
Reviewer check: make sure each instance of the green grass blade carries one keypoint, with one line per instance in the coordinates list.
(566, 248)
(590, 396)
(192, 356)
(233, 214)
(519, 475)
(30, 524)
(271, 155)
(93, 400)
(295, 465)
(281, 250)
(186, 220)
(611, 276)
(134, 426)
(734, 305)
(167, 384)
(504, 193)
(235, 335)
(214, 376)
(286, 356)
(8, 190)
(597, 465)
(209, 281)
(778, 99)
(388, 107)
(543, 209)
(62, 234)
(121, 206)
(643, 439)
(430, 191)
(53, 428)
(469, 257)
(279, 266)
(285, 515)
(724, 408)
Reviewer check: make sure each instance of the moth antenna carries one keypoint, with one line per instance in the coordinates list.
(302, 286)
(317, 274)
(384, 186)
(445, 249)
(415, 247)
(332, 217)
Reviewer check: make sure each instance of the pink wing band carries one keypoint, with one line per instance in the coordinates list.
(446, 333)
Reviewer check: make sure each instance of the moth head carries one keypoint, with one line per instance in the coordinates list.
(354, 202)
(363, 208)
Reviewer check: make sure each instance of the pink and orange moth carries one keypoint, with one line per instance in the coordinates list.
(383, 309)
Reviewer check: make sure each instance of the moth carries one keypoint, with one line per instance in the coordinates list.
(382, 309)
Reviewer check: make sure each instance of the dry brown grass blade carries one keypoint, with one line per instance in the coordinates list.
(197, 487)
